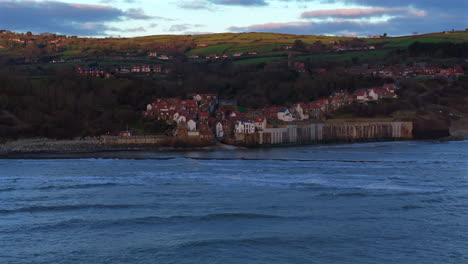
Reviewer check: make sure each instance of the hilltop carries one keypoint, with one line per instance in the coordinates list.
(266, 44)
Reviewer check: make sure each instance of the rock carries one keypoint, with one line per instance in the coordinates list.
(431, 126)
(459, 128)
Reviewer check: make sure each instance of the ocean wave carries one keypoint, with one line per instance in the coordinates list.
(153, 220)
(302, 160)
(78, 186)
(411, 206)
(7, 189)
(58, 208)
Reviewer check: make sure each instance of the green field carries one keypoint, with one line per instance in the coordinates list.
(270, 46)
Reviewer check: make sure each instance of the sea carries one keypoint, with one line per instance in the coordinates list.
(386, 202)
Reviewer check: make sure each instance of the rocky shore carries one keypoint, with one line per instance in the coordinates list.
(79, 146)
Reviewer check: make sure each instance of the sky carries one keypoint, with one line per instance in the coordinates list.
(130, 18)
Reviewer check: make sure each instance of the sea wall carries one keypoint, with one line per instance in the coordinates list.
(185, 140)
(134, 140)
(329, 131)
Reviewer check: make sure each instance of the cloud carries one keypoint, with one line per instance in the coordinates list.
(396, 17)
(344, 27)
(208, 4)
(183, 27)
(63, 18)
(127, 30)
(196, 5)
(137, 13)
(360, 12)
(240, 2)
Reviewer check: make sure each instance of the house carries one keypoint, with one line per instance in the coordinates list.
(180, 117)
(204, 116)
(271, 112)
(194, 56)
(381, 94)
(163, 57)
(245, 127)
(153, 54)
(202, 45)
(361, 95)
(285, 115)
(301, 111)
(253, 53)
(145, 68)
(136, 69)
(191, 125)
(238, 54)
(219, 130)
(228, 128)
(260, 123)
(125, 133)
(299, 66)
(123, 70)
(157, 68)
(391, 87)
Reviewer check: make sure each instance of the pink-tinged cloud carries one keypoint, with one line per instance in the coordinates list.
(268, 26)
(361, 12)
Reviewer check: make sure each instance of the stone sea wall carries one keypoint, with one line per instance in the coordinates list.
(327, 132)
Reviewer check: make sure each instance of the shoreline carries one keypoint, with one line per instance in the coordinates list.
(63, 149)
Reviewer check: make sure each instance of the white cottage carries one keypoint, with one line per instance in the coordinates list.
(285, 115)
(245, 127)
(219, 130)
(300, 111)
(192, 125)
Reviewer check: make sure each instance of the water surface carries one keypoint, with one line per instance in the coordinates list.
(398, 202)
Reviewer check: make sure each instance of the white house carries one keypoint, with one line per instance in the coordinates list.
(219, 130)
(149, 107)
(191, 125)
(285, 115)
(300, 110)
(245, 127)
(260, 123)
(179, 118)
(361, 95)
(373, 95)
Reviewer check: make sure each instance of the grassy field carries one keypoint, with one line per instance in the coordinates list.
(270, 44)
(216, 49)
(258, 60)
(401, 42)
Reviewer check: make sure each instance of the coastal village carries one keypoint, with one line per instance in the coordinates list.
(206, 115)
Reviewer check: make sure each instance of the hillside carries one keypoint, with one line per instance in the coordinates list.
(61, 87)
(225, 43)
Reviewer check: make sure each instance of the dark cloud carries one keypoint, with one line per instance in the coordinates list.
(63, 18)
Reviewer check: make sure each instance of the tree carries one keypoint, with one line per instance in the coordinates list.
(298, 45)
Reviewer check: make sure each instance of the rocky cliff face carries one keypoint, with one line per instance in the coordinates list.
(431, 126)
(459, 128)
